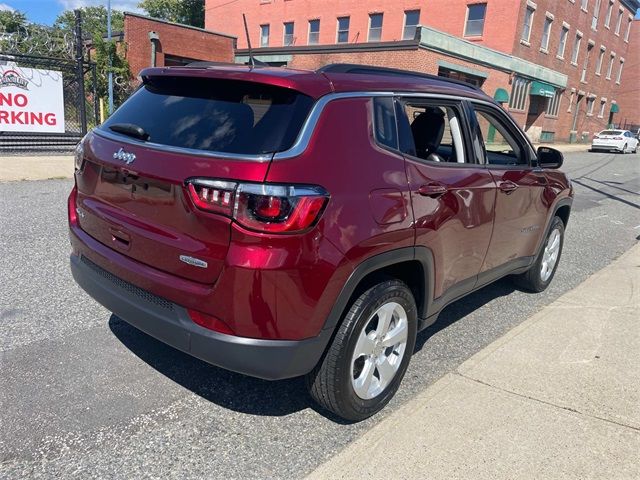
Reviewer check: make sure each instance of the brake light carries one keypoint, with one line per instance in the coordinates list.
(261, 207)
(213, 195)
(71, 206)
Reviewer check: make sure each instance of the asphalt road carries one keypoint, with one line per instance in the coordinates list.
(83, 394)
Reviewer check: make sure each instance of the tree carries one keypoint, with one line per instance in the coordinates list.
(188, 12)
(11, 21)
(94, 21)
(94, 27)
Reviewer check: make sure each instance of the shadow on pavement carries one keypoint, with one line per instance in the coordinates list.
(224, 388)
(465, 306)
(253, 396)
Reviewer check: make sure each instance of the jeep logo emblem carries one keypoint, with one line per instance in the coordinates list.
(124, 156)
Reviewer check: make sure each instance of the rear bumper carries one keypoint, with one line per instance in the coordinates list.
(170, 323)
(607, 147)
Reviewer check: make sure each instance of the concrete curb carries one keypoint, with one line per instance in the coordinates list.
(556, 397)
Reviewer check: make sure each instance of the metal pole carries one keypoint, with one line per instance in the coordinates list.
(82, 101)
(109, 64)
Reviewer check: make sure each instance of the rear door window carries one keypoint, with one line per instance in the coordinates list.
(216, 115)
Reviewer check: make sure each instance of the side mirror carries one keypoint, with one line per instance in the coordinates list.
(549, 157)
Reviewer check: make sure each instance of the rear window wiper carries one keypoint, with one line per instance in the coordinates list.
(130, 130)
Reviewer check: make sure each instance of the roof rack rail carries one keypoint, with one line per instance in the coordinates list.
(205, 64)
(373, 70)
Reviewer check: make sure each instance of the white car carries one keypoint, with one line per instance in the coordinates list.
(622, 141)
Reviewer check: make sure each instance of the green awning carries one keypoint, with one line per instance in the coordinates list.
(615, 108)
(501, 96)
(542, 89)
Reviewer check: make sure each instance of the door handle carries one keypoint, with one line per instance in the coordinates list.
(508, 187)
(432, 190)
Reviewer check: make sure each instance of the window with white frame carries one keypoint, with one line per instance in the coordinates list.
(590, 103)
(264, 35)
(573, 94)
(619, 77)
(603, 103)
(411, 21)
(553, 104)
(619, 21)
(563, 40)
(528, 21)
(576, 48)
(375, 27)
(596, 13)
(314, 32)
(343, 30)
(584, 4)
(583, 77)
(475, 19)
(519, 93)
(546, 32)
(628, 32)
(607, 19)
(288, 34)
(610, 69)
(600, 60)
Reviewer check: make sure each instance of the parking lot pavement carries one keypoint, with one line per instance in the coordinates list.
(556, 397)
(84, 394)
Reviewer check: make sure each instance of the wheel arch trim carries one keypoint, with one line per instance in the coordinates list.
(422, 255)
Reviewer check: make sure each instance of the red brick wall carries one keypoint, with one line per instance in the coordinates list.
(177, 40)
(446, 15)
(571, 13)
(628, 95)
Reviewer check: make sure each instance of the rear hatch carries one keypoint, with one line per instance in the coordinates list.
(131, 186)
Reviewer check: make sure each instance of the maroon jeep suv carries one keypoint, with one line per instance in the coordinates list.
(280, 222)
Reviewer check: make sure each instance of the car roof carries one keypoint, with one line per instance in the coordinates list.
(333, 78)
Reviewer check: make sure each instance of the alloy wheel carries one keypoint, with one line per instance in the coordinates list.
(550, 255)
(379, 350)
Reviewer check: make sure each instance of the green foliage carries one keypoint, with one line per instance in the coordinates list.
(188, 12)
(94, 26)
(119, 68)
(94, 21)
(10, 22)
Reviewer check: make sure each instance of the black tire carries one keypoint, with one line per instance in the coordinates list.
(330, 382)
(532, 280)
(624, 149)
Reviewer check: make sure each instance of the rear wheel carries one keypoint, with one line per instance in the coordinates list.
(365, 363)
(624, 149)
(539, 276)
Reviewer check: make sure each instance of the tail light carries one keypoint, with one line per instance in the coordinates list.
(71, 206)
(261, 207)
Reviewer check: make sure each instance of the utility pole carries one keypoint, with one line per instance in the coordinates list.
(109, 61)
(82, 100)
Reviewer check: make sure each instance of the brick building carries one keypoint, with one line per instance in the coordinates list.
(557, 64)
(150, 40)
(629, 93)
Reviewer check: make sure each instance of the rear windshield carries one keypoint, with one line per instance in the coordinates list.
(610, 132)
(216, 115)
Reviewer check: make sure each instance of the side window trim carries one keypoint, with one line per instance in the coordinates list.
(509, 125)
(426, 100)
(380, 143)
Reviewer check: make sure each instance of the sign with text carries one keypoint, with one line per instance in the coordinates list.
(31, 100)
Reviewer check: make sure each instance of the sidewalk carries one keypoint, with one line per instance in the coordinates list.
(35, 167)
(556, 397)
(43, 167)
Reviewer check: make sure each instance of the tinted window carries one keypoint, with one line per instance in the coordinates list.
(216, 115)
(384, 121)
